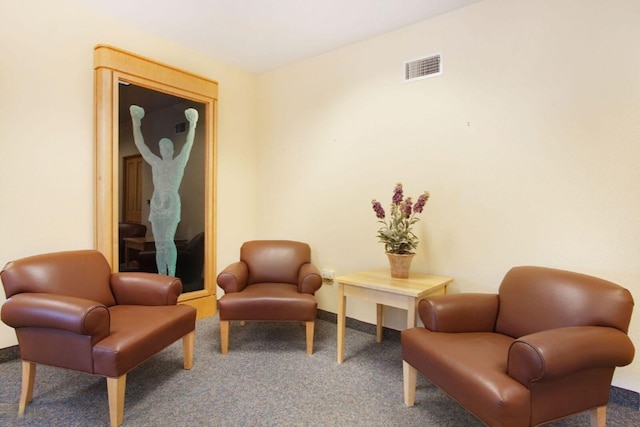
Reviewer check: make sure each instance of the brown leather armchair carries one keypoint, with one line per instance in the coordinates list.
(70, 311)
(274, 281)
(543, 348)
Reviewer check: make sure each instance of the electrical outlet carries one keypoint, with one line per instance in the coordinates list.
(327, 274)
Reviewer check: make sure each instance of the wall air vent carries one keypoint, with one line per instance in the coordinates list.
(423, 68)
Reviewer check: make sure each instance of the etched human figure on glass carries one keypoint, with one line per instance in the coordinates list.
(167, 172)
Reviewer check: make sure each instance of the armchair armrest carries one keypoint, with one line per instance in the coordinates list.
(556, 352)
(145, 289)
(234, 277)
(459, 312)
(309, 279)
(71, 314)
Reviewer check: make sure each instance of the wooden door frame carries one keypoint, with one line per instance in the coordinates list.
(112, 65)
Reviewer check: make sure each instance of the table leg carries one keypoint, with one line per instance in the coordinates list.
(342, 307)
(379, 319)
(411, 312)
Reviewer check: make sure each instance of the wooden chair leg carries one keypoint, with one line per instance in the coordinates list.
(599, 416)
(28, 378)
(310, 330)
(409, 376)
(115, 392)
(224, 336)
(188, 345)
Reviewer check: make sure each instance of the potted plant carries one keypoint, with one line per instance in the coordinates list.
(396, 231)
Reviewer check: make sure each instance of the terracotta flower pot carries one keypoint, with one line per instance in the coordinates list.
(400, 265)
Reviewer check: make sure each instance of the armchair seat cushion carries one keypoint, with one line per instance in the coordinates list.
(269, 302)
(472, 367)
(127, 347)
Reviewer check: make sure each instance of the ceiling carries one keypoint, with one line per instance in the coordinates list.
(260, 35)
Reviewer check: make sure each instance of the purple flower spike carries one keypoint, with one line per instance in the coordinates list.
(419, 206)
(407, 207)
(379, 210)
(397, 194)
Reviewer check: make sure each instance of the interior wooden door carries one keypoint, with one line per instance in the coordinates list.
(132, 183)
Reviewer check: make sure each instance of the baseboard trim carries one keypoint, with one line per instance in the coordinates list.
(617, 395)
(9, 353)
(387, 333)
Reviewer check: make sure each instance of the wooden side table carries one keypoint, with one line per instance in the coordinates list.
(378, 286)
(141, 244)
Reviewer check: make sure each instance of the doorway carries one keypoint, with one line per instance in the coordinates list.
(132, 187)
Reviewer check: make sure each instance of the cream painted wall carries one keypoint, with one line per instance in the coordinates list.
(528, 143)
(46, 131)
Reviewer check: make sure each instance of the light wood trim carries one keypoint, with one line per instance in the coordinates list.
(224, 336)
(106, 235)
(598, 416)
(115, 392)
(204, 303)
(116, 59)
(409, 377)
(310, 330)
(110, 65)
(28, 378)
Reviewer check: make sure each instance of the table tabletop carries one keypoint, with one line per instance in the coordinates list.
(415, 285)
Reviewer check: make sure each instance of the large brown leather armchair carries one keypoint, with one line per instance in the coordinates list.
(274, 281)
(70, 311)
(543, 348)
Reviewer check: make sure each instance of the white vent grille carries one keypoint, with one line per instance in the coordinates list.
(422, 68)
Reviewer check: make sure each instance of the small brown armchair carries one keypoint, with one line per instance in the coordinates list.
(70, 311)
(274, 281)
(543, 348)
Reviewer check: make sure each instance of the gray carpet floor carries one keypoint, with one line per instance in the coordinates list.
(266, 379)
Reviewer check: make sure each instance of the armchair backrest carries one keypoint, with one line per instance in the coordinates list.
(82, 274)
(533, 299)
(276, 261)
(196, 244)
